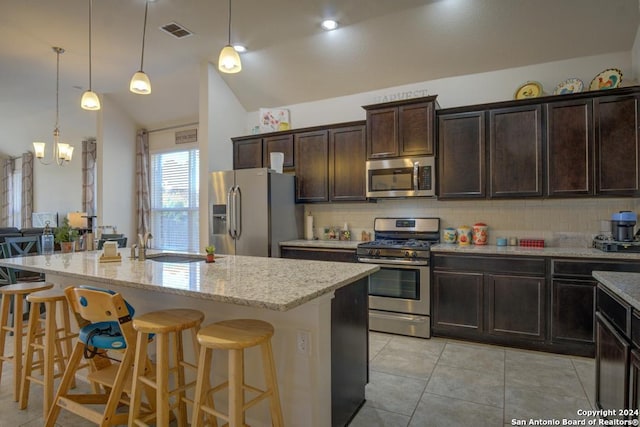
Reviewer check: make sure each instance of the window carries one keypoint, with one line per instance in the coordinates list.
(15, 195)
(174, 200)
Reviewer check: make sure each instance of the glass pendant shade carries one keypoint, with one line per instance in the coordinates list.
(62, 150)
(229, 60)
(90, 100)
(38, 147)
(140, 83)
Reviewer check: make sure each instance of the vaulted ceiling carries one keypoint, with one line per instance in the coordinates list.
(379, 44)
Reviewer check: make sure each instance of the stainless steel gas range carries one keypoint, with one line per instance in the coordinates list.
(399, 292)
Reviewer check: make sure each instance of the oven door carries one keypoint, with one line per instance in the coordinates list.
(401, 288)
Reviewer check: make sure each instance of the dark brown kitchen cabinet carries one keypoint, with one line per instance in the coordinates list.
(312, 166)
(612, 366)
(279, 143)
(457, 302)
(515, 152)
(572, 312)
(617, 145)
(635, 382)
(318, 254)
(570, 135)
(401, 128)
(515, 306)
(347, 156)
(247, 153)
(461, 155)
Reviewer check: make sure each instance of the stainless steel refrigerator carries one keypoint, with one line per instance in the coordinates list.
(251, 211)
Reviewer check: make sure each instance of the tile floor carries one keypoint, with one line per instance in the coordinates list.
(441, 382)
(435, 382)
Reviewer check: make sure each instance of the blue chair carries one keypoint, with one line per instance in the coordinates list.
(7, 275)
(24, 245)
(106, 324)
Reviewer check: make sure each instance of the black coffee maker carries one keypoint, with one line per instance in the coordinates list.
(622, 225)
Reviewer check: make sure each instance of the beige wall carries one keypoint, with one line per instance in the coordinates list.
(567, 222)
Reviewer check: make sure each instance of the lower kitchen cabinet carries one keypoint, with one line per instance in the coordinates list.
(318, 254)
(496, 299)
(572, 311)
(635, 378)
(612, 367)
(515, 306)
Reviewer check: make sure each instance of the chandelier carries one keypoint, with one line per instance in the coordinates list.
(61, 153)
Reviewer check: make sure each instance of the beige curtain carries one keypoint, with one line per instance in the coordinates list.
(89, 152)
(5, 202)
(27, 189)
(143, 196)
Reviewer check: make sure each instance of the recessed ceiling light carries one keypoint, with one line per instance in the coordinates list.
(329, 24)
(239, 48)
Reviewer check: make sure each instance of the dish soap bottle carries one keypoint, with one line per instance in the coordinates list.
(47, 240)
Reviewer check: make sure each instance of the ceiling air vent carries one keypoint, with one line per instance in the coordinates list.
(176, 30)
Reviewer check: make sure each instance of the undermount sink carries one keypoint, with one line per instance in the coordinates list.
(170, 257)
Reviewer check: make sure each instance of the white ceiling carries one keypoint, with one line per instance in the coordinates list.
(381, 43)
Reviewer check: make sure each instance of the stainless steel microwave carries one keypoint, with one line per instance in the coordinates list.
(402, 177)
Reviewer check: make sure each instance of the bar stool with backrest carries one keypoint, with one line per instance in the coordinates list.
(235, 336)
(106, 325)
(48, 339)
(167, 327)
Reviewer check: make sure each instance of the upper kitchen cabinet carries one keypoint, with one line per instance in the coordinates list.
(401, 128)
(515, 152)
(570, 148)
(278, 143)
(616, 128)
(312, 166)
(347, 156)
(247, 153)
(461, 155)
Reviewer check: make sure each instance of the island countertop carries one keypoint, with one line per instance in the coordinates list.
(271, 283)
(625, 285)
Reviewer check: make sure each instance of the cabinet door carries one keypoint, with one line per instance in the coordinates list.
(382, 133)
(612, 367)
(570, 148)
(282, 144)
(415, 133)
(347, 157)
(247, 153)
(616, 123)
(515, 306)
(457, 302)
(635, 385)
(515, 151)
(573, 311)
(461, 155)
(312, 166)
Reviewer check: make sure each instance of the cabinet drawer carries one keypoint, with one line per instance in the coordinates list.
(318, 254)
(613, 309)
(513, 265)
(584, 268)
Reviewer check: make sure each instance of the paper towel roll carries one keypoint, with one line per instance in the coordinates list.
(308, 229)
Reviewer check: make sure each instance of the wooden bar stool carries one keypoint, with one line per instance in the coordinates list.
(49, 340)
(161, 325)
(235, 336)
(15, 293)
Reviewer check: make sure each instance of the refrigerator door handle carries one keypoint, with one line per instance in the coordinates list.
(230, 213)
(237, 211)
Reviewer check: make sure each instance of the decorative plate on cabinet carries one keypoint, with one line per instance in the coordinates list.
(571, 85)
(607, 79)
(528, 90)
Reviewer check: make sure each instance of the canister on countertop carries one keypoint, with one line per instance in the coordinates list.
(449, 235)
(464, 235)
(480, 236)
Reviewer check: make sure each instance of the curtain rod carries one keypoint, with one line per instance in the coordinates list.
(172, 127)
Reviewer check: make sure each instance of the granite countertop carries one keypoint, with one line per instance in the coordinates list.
(271, 283)
(625, 285)
(574, 252)
(333, 244)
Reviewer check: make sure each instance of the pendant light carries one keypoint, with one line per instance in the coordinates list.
(229, 60)
(90, 100)
(140, 83)
(61, 152)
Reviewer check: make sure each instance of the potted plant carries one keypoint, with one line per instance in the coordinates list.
(66, 236)
(210, 250)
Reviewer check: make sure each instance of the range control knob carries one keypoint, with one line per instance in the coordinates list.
(414, 254)
(377, 252)
(370, 252)
(407, 254)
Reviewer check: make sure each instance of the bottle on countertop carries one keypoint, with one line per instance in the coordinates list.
(47, 240)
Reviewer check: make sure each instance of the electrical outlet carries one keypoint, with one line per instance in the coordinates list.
(303, 342)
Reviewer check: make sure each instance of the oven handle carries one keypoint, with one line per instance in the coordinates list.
(408, 317)
(399, 263)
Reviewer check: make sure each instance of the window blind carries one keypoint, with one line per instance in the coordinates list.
(174, 200)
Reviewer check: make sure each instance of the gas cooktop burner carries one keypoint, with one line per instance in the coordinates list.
(396, 243)
(607, 244)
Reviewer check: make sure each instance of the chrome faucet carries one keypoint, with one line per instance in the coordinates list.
(143, 242)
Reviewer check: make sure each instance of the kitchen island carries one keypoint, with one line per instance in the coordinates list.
(318, 309)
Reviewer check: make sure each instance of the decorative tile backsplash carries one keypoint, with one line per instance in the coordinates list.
(564, 223)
